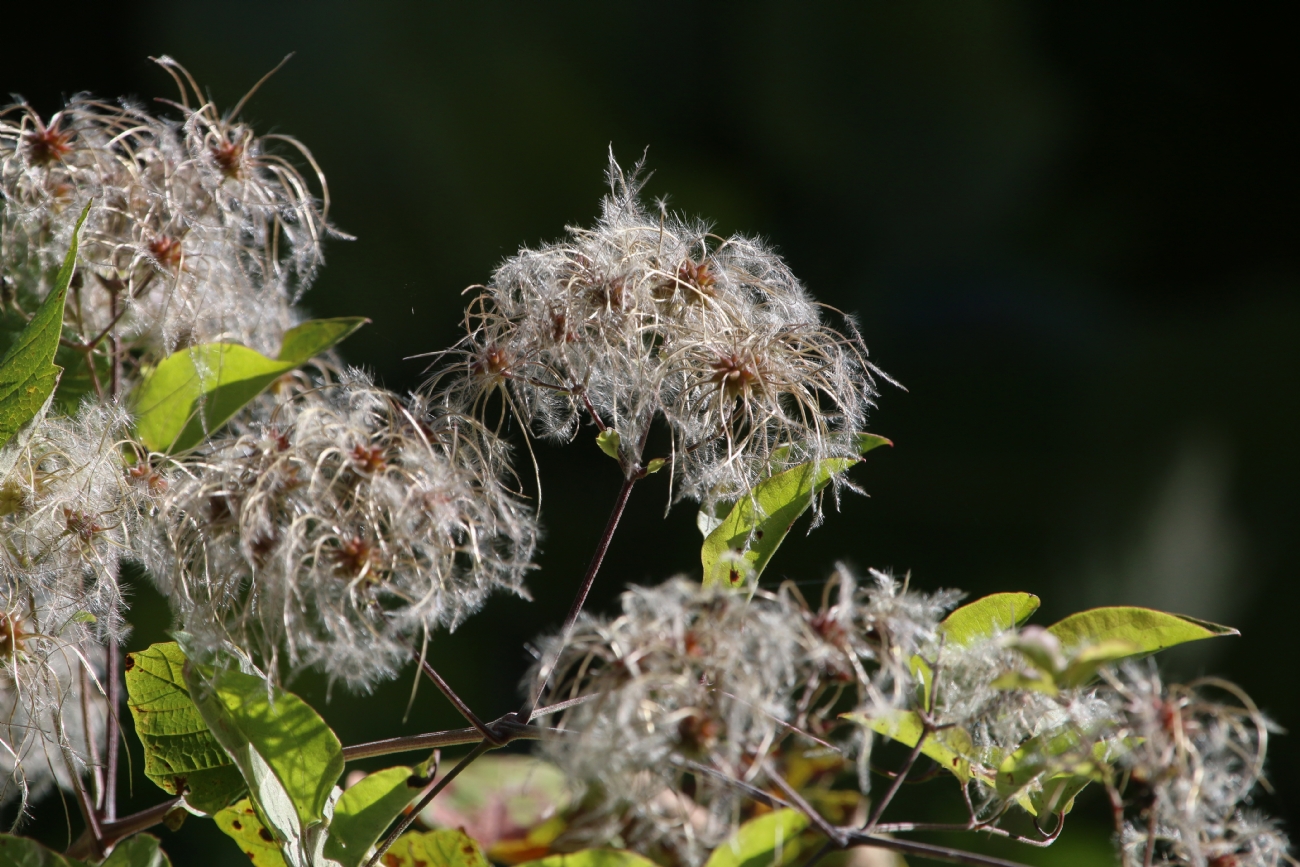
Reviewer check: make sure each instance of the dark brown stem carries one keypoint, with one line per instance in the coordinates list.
(414, 813)
(122, 828)
(93, 829)
(526, 712)
(457, 702)
(503, 730)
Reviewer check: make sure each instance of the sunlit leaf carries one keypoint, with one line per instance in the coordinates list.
(241, 823)
(770, 840)
(987, 617)
(950, 748)
(756, 525)
(180, 754)
(28, 375)
(289, 757)
(1146, 629)
(608, 441)
(142, 850)
(194, 391)
(364, 811)
(444, 848)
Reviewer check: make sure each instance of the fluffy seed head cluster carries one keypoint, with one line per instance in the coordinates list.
(1197, 756)
(341, 531)
(52, 711)
(70, 511)
(691, 691)
(648, 316)
(200, 230)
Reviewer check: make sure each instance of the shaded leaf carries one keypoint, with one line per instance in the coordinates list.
(365, 810)
(987, 617)
(142, 850)
(757, 524)
(1148, 630)
(180, 754)
(770, 840)
(193, 392)
(25, 852)
(444, 848)
(241, 823)
(950, 748)
(593, 858)
(28, 375)
(289, 757)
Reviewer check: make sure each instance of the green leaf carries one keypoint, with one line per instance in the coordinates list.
(25, 852)
(1148, 630)
(592, 858)
(655, 465)
(950, 748)
(365, 811)
(193, 392)
(241, 823)
(28, 375)
(304, 342)
(142, 850)
(608, 441)
(180, 754)
(757, 524)
(289, 757)
(987, 617)
(443, 848)
(770, 840)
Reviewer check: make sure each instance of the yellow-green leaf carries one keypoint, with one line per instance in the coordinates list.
(193, 392)
(987, 617)
(28, 375)
(757, 524)
(180, 754)
(444, 848)
(608, 442)
(950, 748)
(592, 858)
(1146, 629)
(282, 747)
(770, 840)
(241, 823)
(364, 811)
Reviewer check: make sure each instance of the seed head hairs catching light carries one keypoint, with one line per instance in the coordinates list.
(652, 317)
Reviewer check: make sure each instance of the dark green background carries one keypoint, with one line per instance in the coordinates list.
(1068, 229)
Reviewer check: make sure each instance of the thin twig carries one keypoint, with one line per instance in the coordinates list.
(414, 813)
(899, 777)
(457, 702)
(580, 599)
(928, 850)
(505, 730)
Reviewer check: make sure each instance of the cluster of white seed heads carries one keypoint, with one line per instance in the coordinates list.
(342, 530)
(199, 231)
(650, 317)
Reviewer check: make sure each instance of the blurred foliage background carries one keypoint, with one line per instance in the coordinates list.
(1069, 230)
